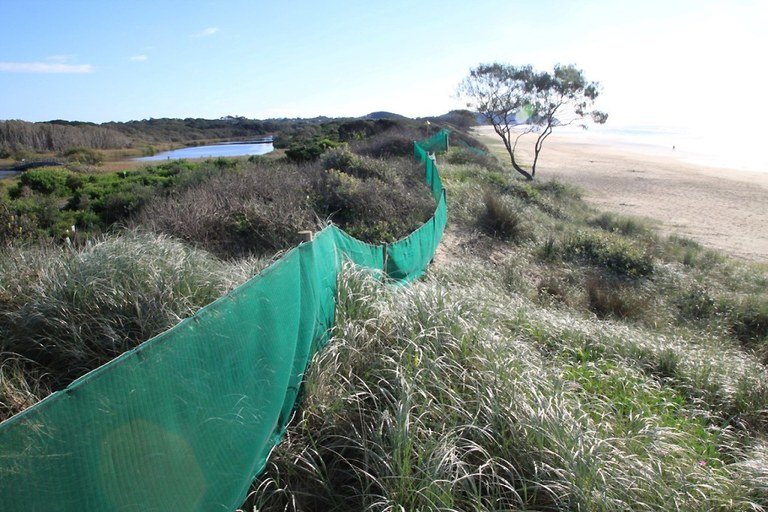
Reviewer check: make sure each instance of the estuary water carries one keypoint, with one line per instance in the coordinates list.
(226, 149)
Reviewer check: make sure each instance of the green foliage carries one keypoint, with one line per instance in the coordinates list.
(309, 151)
(84, 156)
(436, 397)
(462, 392)
(689, 252)
(13, 226)
(47, 202)
(44, 181)
(635, 400)
(614, 253)
(372, 200)
(344, 160)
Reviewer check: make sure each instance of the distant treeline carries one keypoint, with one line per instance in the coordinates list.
(19, 139)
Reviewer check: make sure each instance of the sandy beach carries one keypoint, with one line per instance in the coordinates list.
(723, 209)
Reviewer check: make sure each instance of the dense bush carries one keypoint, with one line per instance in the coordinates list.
(44, 180)
(14, 227)
(271, 205)
(84, 156)
(344, 160)
(395, 142)
(47, 202)
(372, 199)
(308, 151)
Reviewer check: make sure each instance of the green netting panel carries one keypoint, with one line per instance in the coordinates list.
(186, 420)
(419, 153)
(438, 143)
(407, 259)
(473, 149)
(360, 253)
(432, 177)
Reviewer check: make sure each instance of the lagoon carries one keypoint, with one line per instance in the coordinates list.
(224, 149)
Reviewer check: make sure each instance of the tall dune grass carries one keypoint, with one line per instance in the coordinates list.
(444, 396)
(64, 311)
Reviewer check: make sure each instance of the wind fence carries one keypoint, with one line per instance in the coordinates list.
(186, 420)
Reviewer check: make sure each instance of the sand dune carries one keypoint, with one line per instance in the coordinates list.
(723, 209)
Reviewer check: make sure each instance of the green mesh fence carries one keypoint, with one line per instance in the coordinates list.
(437, 143)
(471, 149)
(186, 420)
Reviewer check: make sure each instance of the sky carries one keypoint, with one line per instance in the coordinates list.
(671, 62)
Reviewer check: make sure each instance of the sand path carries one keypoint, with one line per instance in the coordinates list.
(723, 209)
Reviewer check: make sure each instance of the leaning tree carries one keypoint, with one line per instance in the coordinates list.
(517, 100)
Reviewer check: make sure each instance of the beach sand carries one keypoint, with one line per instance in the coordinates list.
(723, 209)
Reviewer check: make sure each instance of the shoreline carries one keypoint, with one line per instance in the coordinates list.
(723, 209)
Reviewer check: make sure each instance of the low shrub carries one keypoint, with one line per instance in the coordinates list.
(308, 151)
(344, 160)
(14, 226)
(552, 288)
(459, 156)
(374, 209)
(395, 142)
(695, 303)
(272, 204)
(614, 253)
(43, 181)
(84, 156)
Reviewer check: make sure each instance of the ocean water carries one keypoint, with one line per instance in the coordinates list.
(722, 146)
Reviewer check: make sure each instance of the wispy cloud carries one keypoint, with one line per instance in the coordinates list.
(44, 67)
(61, 59)
(207, 32)
(138, 58)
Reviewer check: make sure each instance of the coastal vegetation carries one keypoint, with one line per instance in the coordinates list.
(517, 100)
(554, 357)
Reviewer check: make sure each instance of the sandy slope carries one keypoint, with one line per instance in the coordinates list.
(723, 209)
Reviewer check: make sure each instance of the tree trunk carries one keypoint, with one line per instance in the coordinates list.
(538, 146)
(528, 176)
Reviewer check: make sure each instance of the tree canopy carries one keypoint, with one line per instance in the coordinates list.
(530, 101)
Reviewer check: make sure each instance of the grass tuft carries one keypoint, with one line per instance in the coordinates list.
(500, 219)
